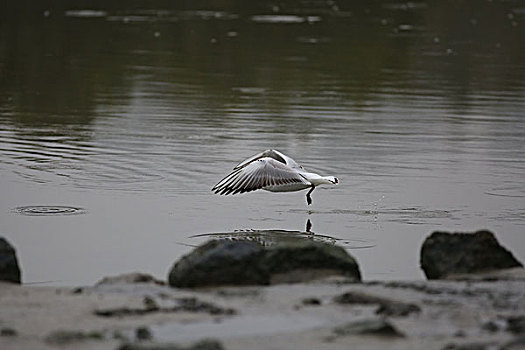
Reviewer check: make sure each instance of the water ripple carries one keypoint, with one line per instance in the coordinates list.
(49, 210)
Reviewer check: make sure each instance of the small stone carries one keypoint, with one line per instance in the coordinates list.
(206, 345)
(515, 344)
(129, 278)
(460, 333)
(397, 309)
(143, 333)
(8, 332)
(65, 336)
(377, 327)
(470, 346)
(516, 324)
(311, 301)
(490, 326)
(201, 345)
(387, 307)
(150, 304)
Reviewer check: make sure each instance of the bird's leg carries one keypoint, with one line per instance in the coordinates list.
(308, 198)
(309, 227)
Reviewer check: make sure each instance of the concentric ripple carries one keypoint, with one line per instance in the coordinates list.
(49, 210)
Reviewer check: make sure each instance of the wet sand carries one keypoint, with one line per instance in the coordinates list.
(484, 309)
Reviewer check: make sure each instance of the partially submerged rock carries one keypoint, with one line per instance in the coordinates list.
(378, 327)
(222, 262)
(444, 254)
(387, 307)
(306, 260)
(201, 345)
(180, 305)
(9, 270)
(129, 278)
(8, 332)
(62, 337)
(471, 346)
(516, 324)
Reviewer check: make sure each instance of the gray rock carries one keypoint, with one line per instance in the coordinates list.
(8, 332)
(379, 327)
(444, 254)
(222, 262)
(311, 301)
(129, 278)
(515, 344)
(201, 345)
(516, 324)
(9, 270)
(387, 307)
(306, 260)
(470, 346)
(61, 337)
(397, 309)
(150, 306)
(143, 333)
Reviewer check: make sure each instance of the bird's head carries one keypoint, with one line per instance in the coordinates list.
(334, 180)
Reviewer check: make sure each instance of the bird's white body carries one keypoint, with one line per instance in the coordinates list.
(272, 171)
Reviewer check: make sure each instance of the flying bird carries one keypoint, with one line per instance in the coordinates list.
(271, 171)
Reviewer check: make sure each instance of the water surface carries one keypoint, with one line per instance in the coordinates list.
(129, 115)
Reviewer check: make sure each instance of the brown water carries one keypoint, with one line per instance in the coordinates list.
(116, 122)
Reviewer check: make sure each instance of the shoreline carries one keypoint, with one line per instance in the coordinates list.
(481, 310)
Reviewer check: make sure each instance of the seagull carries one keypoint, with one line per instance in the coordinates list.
(271, 171)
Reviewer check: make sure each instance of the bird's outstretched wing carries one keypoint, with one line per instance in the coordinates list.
(258, 174)
(268, 153)
(272, 153)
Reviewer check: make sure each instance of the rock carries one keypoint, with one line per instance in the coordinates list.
(143, 333)
(311, 301)
(490, 326)
(514, 344)
(9, 270)
(202, 345)
(8, 332)
(470, 346)
(516, 324)
(307, 260)
(222, 262)
(181, 305)
(378, 327)
(397, 309)
(62, 337)
(444, 254)
(387, 307)
(129, 278)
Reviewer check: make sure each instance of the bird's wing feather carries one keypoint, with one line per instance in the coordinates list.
(258, 174)
(278, 156)
(288, 160)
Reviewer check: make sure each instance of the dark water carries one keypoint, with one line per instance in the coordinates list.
(116, 121)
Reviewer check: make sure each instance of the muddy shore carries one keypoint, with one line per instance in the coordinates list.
(482, 311)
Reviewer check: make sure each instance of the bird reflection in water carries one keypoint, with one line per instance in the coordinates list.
(271, 237)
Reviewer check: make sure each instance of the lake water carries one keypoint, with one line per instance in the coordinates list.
(116, 122)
